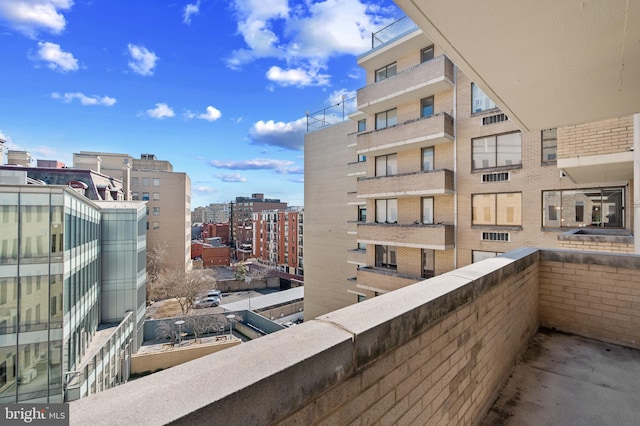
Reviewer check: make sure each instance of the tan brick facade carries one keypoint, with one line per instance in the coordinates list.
(598, 138)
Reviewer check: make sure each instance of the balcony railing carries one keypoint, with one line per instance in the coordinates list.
(412, 134)
(420, 81)
(448, 344)
(383, 280)
(407, 184)
(392, 31)
(436, 237)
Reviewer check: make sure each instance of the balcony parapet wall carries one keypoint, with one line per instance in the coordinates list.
(412, 184)
(434, 352)
(596, 138)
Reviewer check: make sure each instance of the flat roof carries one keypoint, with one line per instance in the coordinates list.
(266, 301)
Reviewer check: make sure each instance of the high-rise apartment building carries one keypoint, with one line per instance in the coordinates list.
(213, 213)
(167, 193)
(278, 237)
(71, 270)
(436, 176)
(241, 215)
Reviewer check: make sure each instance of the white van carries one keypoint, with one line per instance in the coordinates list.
(214, 293)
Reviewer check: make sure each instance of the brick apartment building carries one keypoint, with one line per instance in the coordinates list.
(430, 175)
(278, 239)
(240, 217)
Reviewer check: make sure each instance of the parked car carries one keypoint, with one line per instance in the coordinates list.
(214, 293)
(207, 302)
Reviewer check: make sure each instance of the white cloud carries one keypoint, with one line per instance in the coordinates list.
(190, 10)
(55, 58)
(142, 61)
(279, 166)
(212, 114)
(305, 36)
(31, 16)
(288, 135)
(231, 177)
(161, 110)
(84, 99)
(204, 189)
(297, 77)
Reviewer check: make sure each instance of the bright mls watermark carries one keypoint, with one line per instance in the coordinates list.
(35, 414)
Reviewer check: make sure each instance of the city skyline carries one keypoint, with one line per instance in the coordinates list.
(220, 90)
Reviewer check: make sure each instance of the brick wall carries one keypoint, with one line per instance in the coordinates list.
(597, 138)
(592, 294)
(596, 246)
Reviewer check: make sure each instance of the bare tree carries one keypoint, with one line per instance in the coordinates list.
(167, 330)
(156, 257)
(182, 286)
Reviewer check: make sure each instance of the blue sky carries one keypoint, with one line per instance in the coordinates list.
(218, 88)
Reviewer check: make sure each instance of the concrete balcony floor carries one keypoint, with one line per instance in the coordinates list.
(570, 380)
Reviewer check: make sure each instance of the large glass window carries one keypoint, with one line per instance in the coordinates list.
(426, 107)
(387, 165)
(503, 209)
(479, 101)
(427, 159)
(156, 181)
(387, 211)
(386, 257)
(497, 151)
(386, 118)
(362, 214)
(579, 208)
(428, 263)
(427, 210)
(426, 54)
(386, 71)
(549, 145)
(145, 181)
(8, 228)
(362, 125)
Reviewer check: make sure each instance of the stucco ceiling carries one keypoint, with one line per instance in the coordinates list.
(546, 63)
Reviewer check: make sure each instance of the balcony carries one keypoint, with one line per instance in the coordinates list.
(436, 352)
(357, 168)
(436, 236)
(412, 134)
(383, 280)
(420, 81)
(597, 152)
(415, 184)
(358, 257)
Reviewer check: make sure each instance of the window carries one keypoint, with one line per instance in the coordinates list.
(497, 151)
(156, 181)
(362, 214)
(156, 211)
(145, 196)
(428, 263)
(549, 145)
(578, 208)
(134, 181)
(387, 211)
(386, 119)
(386, 257)
(156, 196)
(362, 158)
(387, 165)
(362, 125)
(386, 72)
(427, 159)
(478, 255)
(427, 210)
(362, 246)
(479, 101)
(426, 107)
(426, 54)
(145, 181)
(503, 209)
(135, 196)
(155, 225)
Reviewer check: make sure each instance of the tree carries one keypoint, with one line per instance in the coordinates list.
(204, 324)
(182, 286)
(156, 258)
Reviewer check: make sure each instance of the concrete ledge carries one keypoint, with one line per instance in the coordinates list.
(254, 383)
(614, 236)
